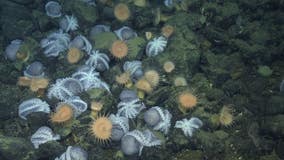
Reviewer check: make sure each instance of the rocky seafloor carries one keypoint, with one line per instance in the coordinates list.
(230, 53)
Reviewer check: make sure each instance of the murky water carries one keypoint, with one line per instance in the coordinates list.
(141, 79)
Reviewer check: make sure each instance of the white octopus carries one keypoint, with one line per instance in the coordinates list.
(73, 153)
(69, 23)
(189, 126)
(145, 138)
(156, 46)
(43, 135)
(89, 78)
(65, 88)
(131, 108)
(55, 43)
(96, 57)
(32, 105)
(165, 122)
(120, 121)
(132, 66)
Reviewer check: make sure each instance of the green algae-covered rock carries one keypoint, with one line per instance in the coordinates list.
(159, 96)
(230, 9)
(264, 71)
(96, 93)
(248, 50)
(189, 155)
(211, 141)
(64, 129)
(135, 46)
(179, 138)
(260, 36)
(215, 94)
(29, 47)
(201, 82)
(16, 148)
(221, 67)
(82, 10)
(103, 40)
(223, 11)
(184, 50)
(26, 52)
(201, 113)
(103, 96)
(191, 21)
(144, 18)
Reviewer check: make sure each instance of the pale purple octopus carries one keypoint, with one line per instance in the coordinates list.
(120, 126)
(97, 29)
(65, 88)
(158, 118)
(35, 70)
(82, 43)
(55, 43)
(78, 105)
(134, 68)
(134, 141)
(43, 135)
(12, 49)
(32, 105)
(125, 33)
(74, 153)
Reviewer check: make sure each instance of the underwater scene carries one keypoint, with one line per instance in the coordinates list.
(142, 80)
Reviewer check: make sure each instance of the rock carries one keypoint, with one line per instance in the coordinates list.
(103, 40)
(135, 45)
